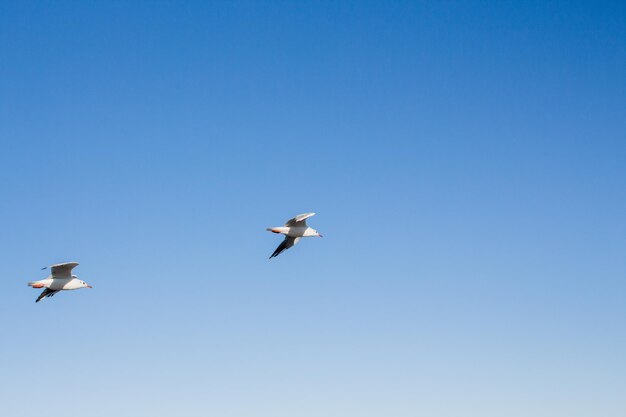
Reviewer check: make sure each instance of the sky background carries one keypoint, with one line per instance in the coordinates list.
(466, 160)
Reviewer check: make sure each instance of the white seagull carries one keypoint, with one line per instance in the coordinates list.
(293, 230)
(60, 279)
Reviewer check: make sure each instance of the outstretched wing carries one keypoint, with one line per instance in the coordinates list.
(299, 220)
(46, 293)
(62, 271)
(284, 245)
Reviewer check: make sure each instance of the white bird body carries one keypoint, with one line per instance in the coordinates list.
(294, 230)
(59, 284)
(61, 279)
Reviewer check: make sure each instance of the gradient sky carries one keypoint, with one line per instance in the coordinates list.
(466, 160)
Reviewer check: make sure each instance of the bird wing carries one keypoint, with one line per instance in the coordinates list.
(62, 271)
(299, 220)
(47, 292)
(284, 245)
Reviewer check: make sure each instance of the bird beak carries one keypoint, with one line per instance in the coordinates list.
(320, 235)
(89, 286)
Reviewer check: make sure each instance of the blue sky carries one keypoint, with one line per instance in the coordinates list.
(467, 161)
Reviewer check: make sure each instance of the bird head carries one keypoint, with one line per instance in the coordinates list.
(85, 285)
(81, 282)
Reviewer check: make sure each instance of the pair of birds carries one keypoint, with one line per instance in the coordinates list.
(61, 278)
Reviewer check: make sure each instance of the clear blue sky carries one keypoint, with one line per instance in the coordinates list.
(467, 161)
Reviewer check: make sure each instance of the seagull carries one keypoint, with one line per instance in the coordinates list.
(293, 230)
(60, 279)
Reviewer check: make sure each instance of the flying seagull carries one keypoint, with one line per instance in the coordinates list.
(293, 230)
(60, 279)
